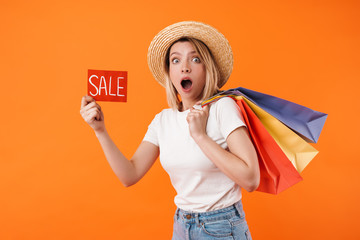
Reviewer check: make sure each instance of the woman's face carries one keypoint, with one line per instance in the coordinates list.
(187, 71)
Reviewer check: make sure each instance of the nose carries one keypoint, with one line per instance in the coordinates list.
(185, 68)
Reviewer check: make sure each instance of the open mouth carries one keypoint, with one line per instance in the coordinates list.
(186, 84)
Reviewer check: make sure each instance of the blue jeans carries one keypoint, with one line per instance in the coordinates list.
(226, 224)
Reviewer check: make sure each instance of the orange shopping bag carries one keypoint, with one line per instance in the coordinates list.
(277, 173)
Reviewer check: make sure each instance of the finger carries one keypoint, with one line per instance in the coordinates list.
(193, 110)
(91, 111)
(90, 106)
(194, 114)
(101, 116)
(190, 117)
(206, 108)
(92, 116)
(199, 112)
(85, 100)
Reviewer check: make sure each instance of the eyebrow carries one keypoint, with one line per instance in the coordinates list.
(192, 52)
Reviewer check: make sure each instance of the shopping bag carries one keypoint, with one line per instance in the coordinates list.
(306, 122)
(278, 129)
(277, 173)
(297, 150)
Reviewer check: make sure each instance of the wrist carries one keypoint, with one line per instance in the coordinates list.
(100, 132)
(200, 137)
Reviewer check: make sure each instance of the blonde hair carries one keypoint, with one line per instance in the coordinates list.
(212, 74)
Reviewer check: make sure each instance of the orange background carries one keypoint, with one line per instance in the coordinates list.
(54, 180)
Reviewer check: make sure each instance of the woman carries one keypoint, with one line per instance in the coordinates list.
(206, 151)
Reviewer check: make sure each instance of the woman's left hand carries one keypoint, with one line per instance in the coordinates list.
(197, 120)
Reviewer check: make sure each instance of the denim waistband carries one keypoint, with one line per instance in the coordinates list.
(232, 210)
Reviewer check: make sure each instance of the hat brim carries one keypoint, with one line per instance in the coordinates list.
(214, 40)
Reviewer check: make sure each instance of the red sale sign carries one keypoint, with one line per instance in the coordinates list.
(107, 85)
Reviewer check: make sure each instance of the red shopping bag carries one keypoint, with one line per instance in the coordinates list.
(276, 171)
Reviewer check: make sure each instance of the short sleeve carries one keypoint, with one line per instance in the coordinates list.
(152, 132)
(229, 116)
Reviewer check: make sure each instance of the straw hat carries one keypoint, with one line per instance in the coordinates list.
(215, 41)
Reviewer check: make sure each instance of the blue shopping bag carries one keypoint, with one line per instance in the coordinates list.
(304, 121)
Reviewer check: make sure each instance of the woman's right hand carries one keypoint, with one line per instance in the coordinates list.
(92, 114)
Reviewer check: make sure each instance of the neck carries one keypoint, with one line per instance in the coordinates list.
(188, 104)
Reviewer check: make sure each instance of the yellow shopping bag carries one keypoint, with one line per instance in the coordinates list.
(298, 151)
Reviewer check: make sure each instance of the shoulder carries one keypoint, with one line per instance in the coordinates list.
(225, 103)
(164, 114)
(226, 111)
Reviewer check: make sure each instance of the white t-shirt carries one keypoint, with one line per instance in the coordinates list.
(199, 184)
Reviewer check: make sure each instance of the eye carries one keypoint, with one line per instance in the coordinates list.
(175, 60)
(196, 59)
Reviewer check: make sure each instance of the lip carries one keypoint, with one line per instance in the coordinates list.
(188, 89)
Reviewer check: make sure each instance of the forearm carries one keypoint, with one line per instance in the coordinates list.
(122, 167)
(234, 167)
